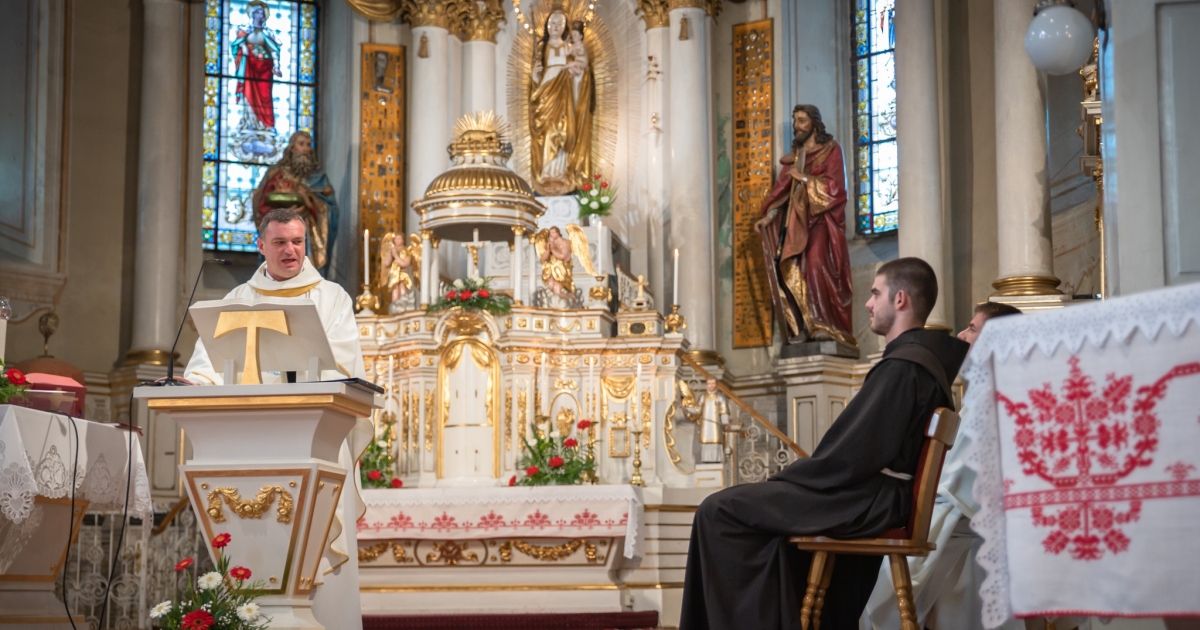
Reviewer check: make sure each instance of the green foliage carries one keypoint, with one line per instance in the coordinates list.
(596, 197)
(547, 450)
(227, 600)
(12, 383)
(472, 293)
(378, 459)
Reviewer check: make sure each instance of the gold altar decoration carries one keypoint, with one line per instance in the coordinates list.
(245, 508)
(485, 358)
(381, 144)
(565, 420)
(429, 420)
(252, 322)
(654, 13)
(753, 152)
(636, 479)
(549, 553)
(674, 322)
(600, 137)
(508, 419)
(618, 426)
(479, 20)
(711, 7)
(647, 405)
(451, 553)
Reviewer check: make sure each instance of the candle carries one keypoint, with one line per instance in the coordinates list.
(637, 394)
(391, 380)
(675, 281)
(591, 382)
(367, 257)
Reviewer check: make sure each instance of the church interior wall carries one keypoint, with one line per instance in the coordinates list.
(100, 189)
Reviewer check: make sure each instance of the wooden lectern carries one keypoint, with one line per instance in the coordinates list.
(264, 464)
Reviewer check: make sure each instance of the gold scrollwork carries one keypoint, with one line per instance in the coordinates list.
(669, 436)
(565, 383)
(523, 411)
(250, 509)
(450, 553)
(508, 418)
(647, 404)
(550, 553)
(371, 553)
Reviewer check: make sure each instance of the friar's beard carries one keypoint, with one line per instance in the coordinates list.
(300, 165)
(801, 137)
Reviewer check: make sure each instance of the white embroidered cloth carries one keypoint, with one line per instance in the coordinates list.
(38, 458)
(536, 512)
(1083, 427)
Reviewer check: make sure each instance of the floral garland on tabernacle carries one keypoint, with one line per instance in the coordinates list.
(595, 198)
(376, 466)
(473, 293)
(213, 603)
(12, 383)
(554, 459)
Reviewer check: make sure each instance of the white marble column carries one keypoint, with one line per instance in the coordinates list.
(483, 18)
(429, 103)
(156, 268)
(515, 263)
(655, 146)
(690, 131)
(427, 281)
(1026, 261)
(919, 143)
(435, 271)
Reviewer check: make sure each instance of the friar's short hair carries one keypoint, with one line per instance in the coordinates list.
(278, 215)
(916, 278)
(992, 310)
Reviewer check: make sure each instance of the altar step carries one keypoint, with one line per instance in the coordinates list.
(647, 620)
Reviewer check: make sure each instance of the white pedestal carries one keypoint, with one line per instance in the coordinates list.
(264, 469)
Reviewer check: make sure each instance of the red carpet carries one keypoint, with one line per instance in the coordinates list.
(572, 621)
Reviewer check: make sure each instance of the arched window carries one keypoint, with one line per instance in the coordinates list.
(875, 115)
(260, 86)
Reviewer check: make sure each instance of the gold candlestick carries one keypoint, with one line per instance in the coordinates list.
(636, 479)
(601, 292)
(366, 300)
(675, 322)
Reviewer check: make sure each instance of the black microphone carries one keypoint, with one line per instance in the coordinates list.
(171, 380)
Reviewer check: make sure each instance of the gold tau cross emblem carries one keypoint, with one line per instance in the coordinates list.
(252, 322)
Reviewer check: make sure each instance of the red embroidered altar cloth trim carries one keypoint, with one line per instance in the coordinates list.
(533, 512)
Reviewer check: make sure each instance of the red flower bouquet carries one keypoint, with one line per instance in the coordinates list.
(217, 600)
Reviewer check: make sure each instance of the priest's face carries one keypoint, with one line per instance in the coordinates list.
(971, 332)
(282, 244)
(881, 307)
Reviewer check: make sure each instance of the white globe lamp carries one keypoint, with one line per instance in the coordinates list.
(1059, 39)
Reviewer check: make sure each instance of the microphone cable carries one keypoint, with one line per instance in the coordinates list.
(71, 523)
(124, 513)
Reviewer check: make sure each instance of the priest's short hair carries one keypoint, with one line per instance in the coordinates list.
(278, 215)
(991, 310)
(916, 278)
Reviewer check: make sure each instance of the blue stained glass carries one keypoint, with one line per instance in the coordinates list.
(875, 118)
(260, 88)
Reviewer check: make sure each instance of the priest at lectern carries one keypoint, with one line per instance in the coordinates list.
(287, 273)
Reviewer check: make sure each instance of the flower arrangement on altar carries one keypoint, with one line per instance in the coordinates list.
(472, 293)
(555, 459)
(220, 600)
(12, 383)
(595, 197)
(376, 466)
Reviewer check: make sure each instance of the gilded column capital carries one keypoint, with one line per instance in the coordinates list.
(654, 13)
(479, 20)
(426, 234)
(440, 13)
(711, 7)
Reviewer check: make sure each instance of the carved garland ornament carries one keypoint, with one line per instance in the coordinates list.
(549, 554)
(250, 509)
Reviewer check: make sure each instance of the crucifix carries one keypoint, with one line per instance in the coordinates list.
(641, 285)
(473, 247)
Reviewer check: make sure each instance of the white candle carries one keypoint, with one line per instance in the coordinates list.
(675, 280)
(367, 257)
(391, 380)
(591, 385)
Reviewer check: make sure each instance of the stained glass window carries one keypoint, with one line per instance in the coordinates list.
(260, 86)
(875, 115)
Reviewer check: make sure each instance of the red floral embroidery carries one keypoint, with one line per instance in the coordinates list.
(491, 520)
(445, 521)
(585, 519)
(400, 521)
(537, 520)
(1083, 440)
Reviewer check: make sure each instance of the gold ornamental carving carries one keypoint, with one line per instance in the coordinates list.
(429, 410)
(465, 323)
(381, 149)
(440, 13)
(711, 7)
(549, 553)
(508, 418)
(647, 404)
(655, 13)
(372, 552)
(753, 152)
(250, 508)
(450, 553)
(479, 20)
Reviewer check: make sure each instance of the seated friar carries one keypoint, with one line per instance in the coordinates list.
(288, 273)
(741, 570)
(945, 583)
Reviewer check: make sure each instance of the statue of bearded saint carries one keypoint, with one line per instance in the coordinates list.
(298, 182)
(803, 230)
(560, 108)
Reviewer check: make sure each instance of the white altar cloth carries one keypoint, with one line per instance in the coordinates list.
(37, 458)
(1083, 426)
(534, 512)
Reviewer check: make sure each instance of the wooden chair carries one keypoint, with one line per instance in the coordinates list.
(897, 544)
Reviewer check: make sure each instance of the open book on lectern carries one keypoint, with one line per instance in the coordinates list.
(247, 337)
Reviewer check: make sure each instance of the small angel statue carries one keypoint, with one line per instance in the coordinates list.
(401, 264)
(555, 253)
(711, 414)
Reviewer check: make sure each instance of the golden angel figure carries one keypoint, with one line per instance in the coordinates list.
(711, 414)
(555, 252)
(401, 264)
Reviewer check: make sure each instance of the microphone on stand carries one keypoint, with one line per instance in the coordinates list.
(171, 380)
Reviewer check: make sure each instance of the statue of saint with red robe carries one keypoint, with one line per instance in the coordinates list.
(803, 228)
(298, 182)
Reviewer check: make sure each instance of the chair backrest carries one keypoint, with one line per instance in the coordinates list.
(939, 437)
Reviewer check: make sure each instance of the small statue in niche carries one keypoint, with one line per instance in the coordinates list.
(400, 263)
(711, 414)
